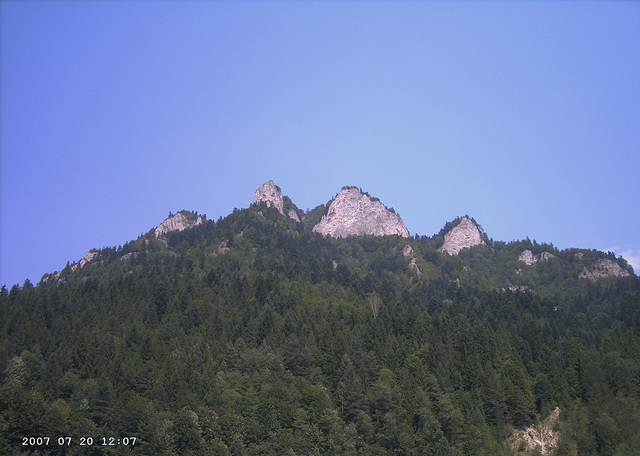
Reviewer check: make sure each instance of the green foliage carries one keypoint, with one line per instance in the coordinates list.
(252, 335)
(312, 217)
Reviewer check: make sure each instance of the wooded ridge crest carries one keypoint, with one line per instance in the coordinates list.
(258, 334)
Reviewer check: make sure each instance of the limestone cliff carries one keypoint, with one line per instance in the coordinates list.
(270, 195)
(355, 213)
(293, 215)
(88, 257)
(528, 257)
(178, 222)
(604, 268)
(464, 235)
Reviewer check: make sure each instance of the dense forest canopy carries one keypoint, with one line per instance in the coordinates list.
(254, 336)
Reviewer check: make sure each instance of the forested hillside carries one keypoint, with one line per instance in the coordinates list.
(254, 336)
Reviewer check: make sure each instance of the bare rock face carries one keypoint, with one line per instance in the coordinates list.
(407, 252)
(464, 235)
(293, 215)
(223, 248)
(269, 194)
(543, 438)
(354, 213)
(177, 222)
(604, 268)
(529, 258)
(544, 256)
(88, 257)
(126, 256)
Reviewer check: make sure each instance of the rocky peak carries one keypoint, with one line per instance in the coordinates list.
(270, 195)
(464, 235)
(604, 268)
(355, 213)
(177, 222)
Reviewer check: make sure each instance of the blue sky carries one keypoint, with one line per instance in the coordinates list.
(524, 115)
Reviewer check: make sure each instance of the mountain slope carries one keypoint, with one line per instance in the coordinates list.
(255, 335)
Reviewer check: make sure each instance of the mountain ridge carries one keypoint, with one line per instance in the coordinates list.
(353, 212)
(255, 335)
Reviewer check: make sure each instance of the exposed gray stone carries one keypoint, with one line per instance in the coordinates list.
(542, 438)
(222, 248)
(604, 268)
(177, 222)
(414, 266)
(529, 258)
(270, 195)
(407, 252)
(126, 256)
(354, 213)
(88, 257)
(293, 215)
(464, 235)
(517, 288)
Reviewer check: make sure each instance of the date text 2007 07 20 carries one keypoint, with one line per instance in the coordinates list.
(83, 441)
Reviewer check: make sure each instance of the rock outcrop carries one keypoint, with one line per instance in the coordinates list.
(517, 288)
(407, 252)
(88, 257)
(543, 438)
(129, 255)
(529, 258)
(604, 268)
(222, 248)
(293, 215)
(354, 213)
(270, 195)
(464, 235)
(177, 222)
